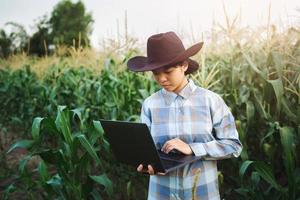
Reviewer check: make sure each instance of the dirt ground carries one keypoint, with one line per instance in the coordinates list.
(9, 163)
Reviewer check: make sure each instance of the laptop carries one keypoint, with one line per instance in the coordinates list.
(133, 144)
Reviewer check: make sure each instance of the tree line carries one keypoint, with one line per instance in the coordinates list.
(68, 24)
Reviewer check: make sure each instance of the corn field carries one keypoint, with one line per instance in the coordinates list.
(50, 106)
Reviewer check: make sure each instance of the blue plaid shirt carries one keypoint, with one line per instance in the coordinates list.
(200, 118)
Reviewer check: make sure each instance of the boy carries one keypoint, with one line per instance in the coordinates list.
(186, 118)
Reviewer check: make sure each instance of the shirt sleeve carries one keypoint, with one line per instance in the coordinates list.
(146, 115)
(226, 142)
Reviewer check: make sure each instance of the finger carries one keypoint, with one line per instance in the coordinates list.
(161, 174)
(167, 145)
(139, 168)
(164, 146)
(150, 170)
(169, 148)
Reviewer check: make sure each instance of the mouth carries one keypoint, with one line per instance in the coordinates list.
(165, 86)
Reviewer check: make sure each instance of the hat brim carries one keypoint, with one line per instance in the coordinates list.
(140, 63)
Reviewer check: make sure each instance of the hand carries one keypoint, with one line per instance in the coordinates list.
(150, 170)
(177, 144)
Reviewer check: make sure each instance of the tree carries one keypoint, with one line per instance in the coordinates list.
(13, 42)
(69, 22)
(40, 40)
(5, 44)
(18, 36)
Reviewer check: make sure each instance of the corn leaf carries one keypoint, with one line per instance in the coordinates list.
(88, 147)
(42, 169)
(244, 167)
(287, 142)
(36, 125)
(21, 144)
(278, 89)
(250, 111)
(63, 124)
(105, 181)
(266, 172)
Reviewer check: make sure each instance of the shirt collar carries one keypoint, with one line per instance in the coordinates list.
(185, 93)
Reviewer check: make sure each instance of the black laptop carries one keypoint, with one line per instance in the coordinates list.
(132, 144)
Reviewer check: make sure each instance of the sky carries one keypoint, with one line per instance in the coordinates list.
(145, 18)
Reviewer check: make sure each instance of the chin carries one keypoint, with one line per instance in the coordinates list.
(168, 89)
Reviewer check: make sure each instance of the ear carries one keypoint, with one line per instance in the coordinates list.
(185, 65)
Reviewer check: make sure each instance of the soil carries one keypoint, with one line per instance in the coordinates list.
(9, 163)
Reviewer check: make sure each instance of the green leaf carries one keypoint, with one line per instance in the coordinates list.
(105, 181)
(23, 163)
(244, 93)
(278, 62)
(287, 142)
(50, 126)
(260, 107)
(253, 66)
(129, 189)
(266, 172)
(48, 155)
(35, 130)
(244, 167)
(255, 178)
(21, 144)
(42, 169)
(287, 110)
(250, 110)
(96, 196)
(278, 89)
(55, 181)
(77, 112)
(144, 93)
(88, 147)
(11, 188)
(63, 124)
(96, 132)
(98, 127)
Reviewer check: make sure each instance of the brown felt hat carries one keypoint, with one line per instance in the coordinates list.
(165, 49)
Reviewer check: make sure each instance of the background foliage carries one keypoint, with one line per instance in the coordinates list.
(68, 25)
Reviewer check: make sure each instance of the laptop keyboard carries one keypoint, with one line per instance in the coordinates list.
(171, 156)
(168, 163)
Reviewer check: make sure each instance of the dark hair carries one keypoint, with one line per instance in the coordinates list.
(175, 65)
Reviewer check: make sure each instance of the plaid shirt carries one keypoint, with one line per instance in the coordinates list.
(200, 118)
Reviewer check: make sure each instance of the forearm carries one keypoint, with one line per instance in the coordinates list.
(217, 149)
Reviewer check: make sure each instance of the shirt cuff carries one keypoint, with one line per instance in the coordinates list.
(198, 149)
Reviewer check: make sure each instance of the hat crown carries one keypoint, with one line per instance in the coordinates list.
(163, 47)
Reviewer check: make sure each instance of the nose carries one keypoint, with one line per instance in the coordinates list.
(161, 78)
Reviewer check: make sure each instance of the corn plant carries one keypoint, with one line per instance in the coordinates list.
(124, 92)
(262, 91)
(20, 92)
(69, 167)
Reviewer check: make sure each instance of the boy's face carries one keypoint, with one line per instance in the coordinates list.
(173, 78)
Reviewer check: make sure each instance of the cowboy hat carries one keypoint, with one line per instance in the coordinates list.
(165, 49)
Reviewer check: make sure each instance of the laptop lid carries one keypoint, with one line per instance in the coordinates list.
(133, 144)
